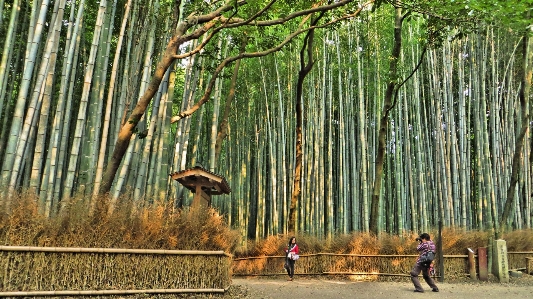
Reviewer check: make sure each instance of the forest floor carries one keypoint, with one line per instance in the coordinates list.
(316, 288)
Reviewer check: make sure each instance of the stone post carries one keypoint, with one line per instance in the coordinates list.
(500, 266)
(482, 262)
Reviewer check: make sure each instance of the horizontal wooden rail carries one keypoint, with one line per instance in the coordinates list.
(110, 250)
(108, 292)
(350, 255)
(365, 273)
(368, 255)
(330, 273)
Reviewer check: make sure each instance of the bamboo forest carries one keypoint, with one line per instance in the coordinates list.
(324, 116)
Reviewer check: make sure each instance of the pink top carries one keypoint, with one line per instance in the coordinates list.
(294, 249)
(425, 247)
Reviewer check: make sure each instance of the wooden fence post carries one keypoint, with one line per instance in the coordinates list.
(482, 262)
(529, 265)
(471, 264)
(441, 254)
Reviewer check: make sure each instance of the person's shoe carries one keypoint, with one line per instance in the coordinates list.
(435, 290)
(419, 291)
(290, 279)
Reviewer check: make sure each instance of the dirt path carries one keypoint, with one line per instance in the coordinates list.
(262, 288)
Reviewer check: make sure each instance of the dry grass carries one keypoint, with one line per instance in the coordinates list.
(391, 248)
(157, 226)
(161, 226)
(131, 225)
(454, 242)
(521, 240)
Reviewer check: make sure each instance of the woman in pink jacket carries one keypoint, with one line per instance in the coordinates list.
(291, 257)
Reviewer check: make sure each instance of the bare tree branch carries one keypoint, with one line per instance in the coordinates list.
(207, 93)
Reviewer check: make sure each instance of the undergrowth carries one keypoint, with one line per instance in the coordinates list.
(130, 225)
(455, 241)
(162, 226)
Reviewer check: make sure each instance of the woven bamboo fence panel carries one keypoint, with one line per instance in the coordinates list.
(517, 260)
(44, 269)
(373, 267)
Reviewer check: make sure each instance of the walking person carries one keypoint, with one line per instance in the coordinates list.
(425, 245)
(291, 257)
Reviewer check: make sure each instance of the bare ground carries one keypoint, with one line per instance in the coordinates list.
(327, 287)
(316, 288)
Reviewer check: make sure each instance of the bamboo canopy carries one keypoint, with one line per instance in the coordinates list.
(202, 183)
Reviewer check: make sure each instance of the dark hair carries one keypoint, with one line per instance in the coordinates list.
(425, 236)
(290, 240)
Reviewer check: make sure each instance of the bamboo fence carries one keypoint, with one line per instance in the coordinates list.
(52, 271)
(364, 267)
(517, 260)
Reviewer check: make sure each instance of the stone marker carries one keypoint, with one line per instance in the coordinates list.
(500, 266)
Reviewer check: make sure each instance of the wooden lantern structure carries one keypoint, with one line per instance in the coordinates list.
(202, 183)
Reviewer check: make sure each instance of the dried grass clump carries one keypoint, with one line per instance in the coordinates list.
(339, 242)
(130, 225)
(455, 241)
(272, 245)
(363, 243)
(276, 245)
(397, 244)
(520, 240)
(23, 219)
(308, 243)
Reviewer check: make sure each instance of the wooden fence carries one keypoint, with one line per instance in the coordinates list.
(517, 260)
(52, 271)
(364, 267)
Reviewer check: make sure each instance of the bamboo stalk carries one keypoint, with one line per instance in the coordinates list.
(111, 250)
(108, 292)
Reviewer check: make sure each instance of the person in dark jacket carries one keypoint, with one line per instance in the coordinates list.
(292, 249)
(425, 245)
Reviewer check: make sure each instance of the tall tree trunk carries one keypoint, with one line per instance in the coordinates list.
(524, 98)
(305, 68)
(223, 129)
(126, 131)
(282, 152)
(222, 51)
(383, 123)
(109, 101)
